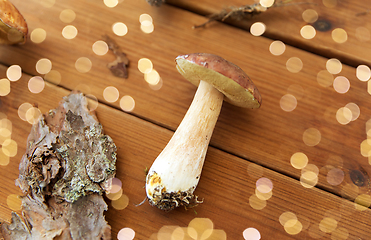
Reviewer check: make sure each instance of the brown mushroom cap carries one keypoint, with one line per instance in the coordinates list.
(13, 27)
(225, 76)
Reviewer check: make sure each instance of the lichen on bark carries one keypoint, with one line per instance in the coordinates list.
(68, 165)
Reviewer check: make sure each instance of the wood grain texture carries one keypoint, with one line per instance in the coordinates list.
(226, 183)
(268, 136)
(285, 21)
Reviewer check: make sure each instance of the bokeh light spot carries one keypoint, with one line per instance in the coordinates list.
(267, 3)
(344, 115)
(365, 148)
(69, 32)
(362, 202)
(152, 77)
(4, 159)
(145, 17)
(288, 102)
(251, 234)
(147, 26)
(341, 84)
(328, 225)
(335, 176)
(10, 147)
(121, 203)
(145, 65)
(363, 73)
(120, 29)
(325, 78)
(257, 203)
(100, 48)
(67, 16)
(309, 176)
(116, 185)
(5, 129)
(310, 15)
(257, 29)
(38, 35)
(83, 64)
(127, 103)
(293, 227)
(111, 94)
(299, 160)
(277, 48)
(171, 232)
(22, 109)
(14, 73)
(178, 233)
(287, 216)
(311, 168)
(263, 196)
(311, 137)
(158, 86)
(294, 64)
(339, 35)
(308, 32)
(308, 180)
(354, 109)
(43, 66)
(33, 115)
(334, 66)
(200, 228)
(264, 185)
(14, 202)
(111, 3)
(114, 196)
(126, 234)
(53, 76)
(4, 87)
(36, 84)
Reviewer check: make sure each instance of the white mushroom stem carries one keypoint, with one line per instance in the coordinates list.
(175, 173)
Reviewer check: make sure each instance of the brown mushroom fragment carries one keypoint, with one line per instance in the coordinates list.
(119, 67)
(13, 27)
(175, 173)
(68, 165)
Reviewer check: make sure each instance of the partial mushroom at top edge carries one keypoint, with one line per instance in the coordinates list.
(13, 26)
(175, 173)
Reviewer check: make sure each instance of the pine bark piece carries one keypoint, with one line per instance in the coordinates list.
(68, 164)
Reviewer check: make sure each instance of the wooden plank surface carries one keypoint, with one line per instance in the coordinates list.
(227, 184)
(269, 136)
(267, 140)
(285, 22)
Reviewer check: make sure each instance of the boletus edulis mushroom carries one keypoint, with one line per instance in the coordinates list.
(13, 27)
(175, 173)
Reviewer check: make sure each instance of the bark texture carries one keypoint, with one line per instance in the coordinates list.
(68, 164)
